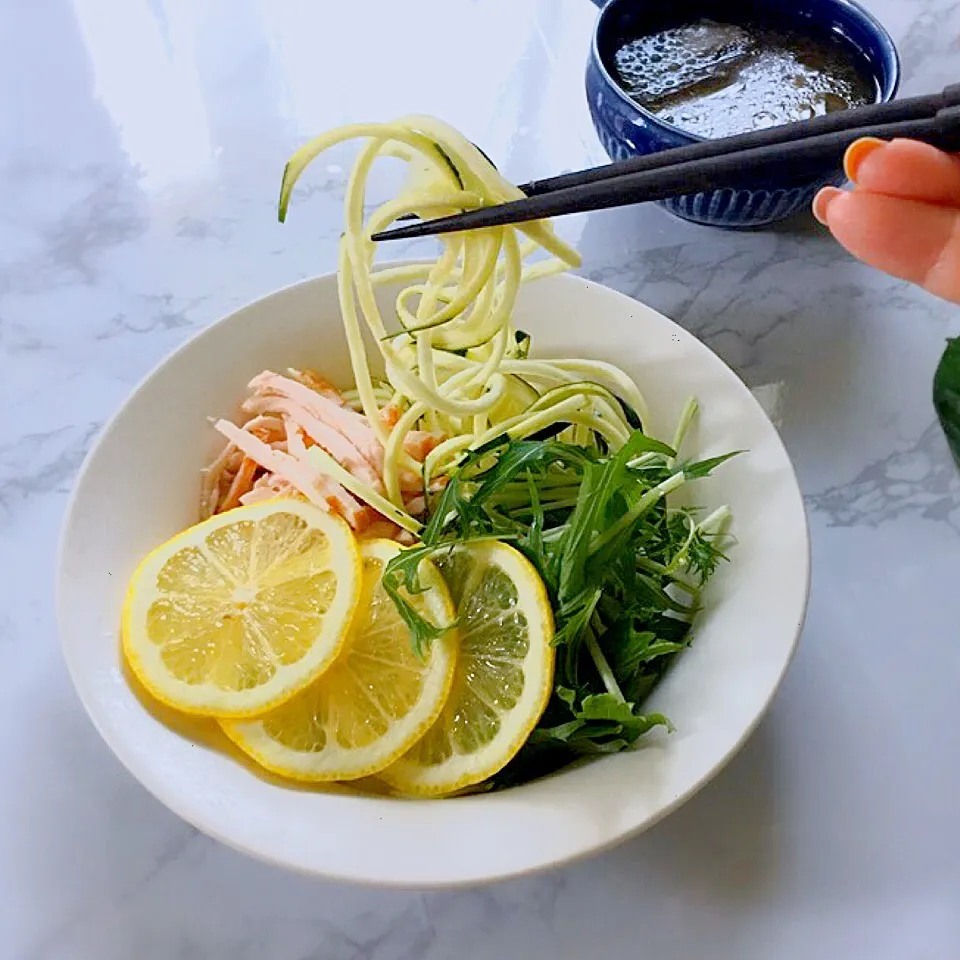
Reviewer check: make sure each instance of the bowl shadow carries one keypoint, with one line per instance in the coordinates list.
(723, 845)
(206, 733)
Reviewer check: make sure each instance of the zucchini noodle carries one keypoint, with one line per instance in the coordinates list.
(453, 363)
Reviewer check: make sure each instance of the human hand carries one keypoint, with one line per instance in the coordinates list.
(903, 215)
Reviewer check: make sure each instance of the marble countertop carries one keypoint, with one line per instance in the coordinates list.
(140, 150)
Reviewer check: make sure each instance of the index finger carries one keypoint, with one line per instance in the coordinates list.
(905, 168)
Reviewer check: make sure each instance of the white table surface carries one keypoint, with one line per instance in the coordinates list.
(141, 143)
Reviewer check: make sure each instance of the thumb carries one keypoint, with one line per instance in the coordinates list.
(915, 241)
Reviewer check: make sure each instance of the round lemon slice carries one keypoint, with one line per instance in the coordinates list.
(376, 700)
(238, 613)
(503, 678)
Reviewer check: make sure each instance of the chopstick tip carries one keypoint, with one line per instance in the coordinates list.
(398, 233)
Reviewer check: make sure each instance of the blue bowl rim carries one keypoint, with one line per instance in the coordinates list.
(892, 84)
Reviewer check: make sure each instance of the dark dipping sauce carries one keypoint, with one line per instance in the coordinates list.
(718, 79)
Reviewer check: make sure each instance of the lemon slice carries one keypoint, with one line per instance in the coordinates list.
(503, 678)
(376, 700)
(238, 613)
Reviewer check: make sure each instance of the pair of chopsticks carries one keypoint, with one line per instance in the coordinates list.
(713, 164)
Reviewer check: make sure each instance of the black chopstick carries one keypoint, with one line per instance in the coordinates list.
(893, 111)
(710, 165)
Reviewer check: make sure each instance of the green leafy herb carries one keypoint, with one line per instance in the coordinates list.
(946, 395)
(403, 574)
(623, 571)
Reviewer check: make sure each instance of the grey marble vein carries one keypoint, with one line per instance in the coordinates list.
(69, 247)
(920, 479)
(34, 464)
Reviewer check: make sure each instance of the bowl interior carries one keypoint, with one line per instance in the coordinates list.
(624, 20)
(139, 486)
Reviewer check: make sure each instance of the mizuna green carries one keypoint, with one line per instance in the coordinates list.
(623, 569)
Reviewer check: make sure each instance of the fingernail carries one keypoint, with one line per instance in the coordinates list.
(823, 200)
(857, 152)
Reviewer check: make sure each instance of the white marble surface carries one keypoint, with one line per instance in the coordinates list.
(141, 143)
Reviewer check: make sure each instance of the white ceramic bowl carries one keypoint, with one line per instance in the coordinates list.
(139, 486)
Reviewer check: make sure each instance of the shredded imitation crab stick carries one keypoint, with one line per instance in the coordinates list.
(269, 455)
(299, 473)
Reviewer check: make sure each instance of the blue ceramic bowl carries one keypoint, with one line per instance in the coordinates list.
(626, 129)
